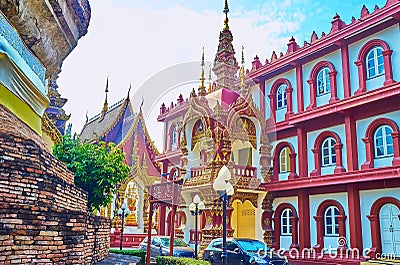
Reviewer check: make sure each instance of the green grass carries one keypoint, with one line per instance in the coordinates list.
(167, 260)
(132, 252)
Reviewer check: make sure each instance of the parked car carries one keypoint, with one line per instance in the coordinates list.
(242, 251)
(160, 247)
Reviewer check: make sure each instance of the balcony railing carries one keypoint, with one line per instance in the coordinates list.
(196, 171)
(242, 176)
(244, 171)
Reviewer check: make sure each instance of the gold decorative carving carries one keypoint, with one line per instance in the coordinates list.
(49, 128)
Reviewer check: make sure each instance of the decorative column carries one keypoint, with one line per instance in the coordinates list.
(387, 61)
(265, 156)
(339, 161)
(299, 87)
(346, 69)
(295, 242)
(355, 224)
(262, 97)
(362, 79)
(369, 152)
(55, 110)
(289, 92)
(332, 77)
(292, 161)
(304, 219)
(320, 233)
(303, 156)
(396, 148)
(272, 104)
(313, 96)
(267, 219)
(351, 143)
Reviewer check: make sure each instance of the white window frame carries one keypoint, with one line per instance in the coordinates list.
(331, 152)
(286, 229)
(330, 213)
(373, 53)
(323, 76)
(285, 151)
(385, 145)
(281, 99)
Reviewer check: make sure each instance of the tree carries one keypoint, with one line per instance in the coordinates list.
(98, 168)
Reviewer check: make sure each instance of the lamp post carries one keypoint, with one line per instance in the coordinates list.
(196, 208)
(123, 212)
(225, 190)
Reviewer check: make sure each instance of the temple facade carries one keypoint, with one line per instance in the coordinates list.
(311, 138)
(120, 125)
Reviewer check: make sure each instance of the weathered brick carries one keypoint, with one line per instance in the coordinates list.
(43, 217)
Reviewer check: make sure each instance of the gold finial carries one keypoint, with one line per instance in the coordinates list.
(202, 88)
(242, 72)
(242, 55)
(141, 104)
(226, 11)
(105, 106)
(129, 90)
(210, 81)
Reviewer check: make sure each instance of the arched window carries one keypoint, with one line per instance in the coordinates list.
(284, 160)
(374, 59)
(374, 62)
(174, 138)
(281, 101)
(328, 154)
(331, 221)
(323, 81)
(383, 141)
(286, 224)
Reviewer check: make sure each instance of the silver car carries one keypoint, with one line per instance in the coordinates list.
(160, 247)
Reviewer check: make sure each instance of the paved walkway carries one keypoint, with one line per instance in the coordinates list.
(118, 259)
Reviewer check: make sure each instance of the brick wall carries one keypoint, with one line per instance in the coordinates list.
(43, 217)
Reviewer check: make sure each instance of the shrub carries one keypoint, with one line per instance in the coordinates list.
(98, 168)
(168, 260)
(132, 252)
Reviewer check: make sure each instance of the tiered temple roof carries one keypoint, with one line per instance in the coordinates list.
(120, 125)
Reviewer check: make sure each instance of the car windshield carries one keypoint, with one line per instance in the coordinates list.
(252, 245)
(177, 242)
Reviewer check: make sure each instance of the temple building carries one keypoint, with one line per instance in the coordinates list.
(311, 138)
(120, 125)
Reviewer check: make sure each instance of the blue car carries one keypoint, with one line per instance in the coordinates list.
(242, 251)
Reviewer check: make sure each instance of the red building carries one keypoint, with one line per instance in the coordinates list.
(325, 118)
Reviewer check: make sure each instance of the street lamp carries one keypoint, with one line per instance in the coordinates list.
(225, 190)
(123, 212)
(196, 208)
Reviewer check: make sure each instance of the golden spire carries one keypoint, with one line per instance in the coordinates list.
(242, 72)
(226, 11)
(105, 106)
(202, 88)
(209, 80)
(129, 90)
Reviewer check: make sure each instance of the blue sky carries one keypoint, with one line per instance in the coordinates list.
(131, 40)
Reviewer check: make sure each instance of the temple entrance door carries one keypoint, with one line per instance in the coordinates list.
(390, 229)
(244, 220)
